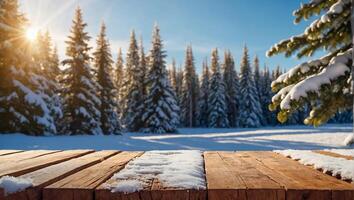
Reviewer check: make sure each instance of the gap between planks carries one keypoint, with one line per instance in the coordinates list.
(56, 172)
(82, 184)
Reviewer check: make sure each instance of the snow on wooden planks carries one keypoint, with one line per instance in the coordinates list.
(56, 172)
(158, 175)
(25, 166)
(300, 182)
(82, 184)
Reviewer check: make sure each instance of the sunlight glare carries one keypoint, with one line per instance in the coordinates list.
(31, 33)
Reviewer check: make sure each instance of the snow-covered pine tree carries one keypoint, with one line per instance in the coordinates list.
(179, 81)
(232, 89)
(324, 82)
(266, 96)
(190, 92)
(250, 108)
(217, 117)
(173, 76)
(331, 31)
(81, 104)
(47, 66)
(103, 64)
(257, 81)
(119, 80)
(143, 73)
(133, 97)
(161, 114)
(22, 107)
(204, 96)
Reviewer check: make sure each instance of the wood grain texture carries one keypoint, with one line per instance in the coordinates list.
(7, 152)
(81, 185)
(25, 155)
(82, 174)
(26, 166)
(53, 173)
(332, 154)
(301, 182)
(229, 177)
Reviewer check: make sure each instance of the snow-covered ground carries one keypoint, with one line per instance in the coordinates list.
(269, 138)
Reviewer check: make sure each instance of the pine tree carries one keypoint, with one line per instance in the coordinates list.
(204, 96)
(217, 117)
(161, 114)
(190, 90)
(23, 108)
(81, 104)
(133, 97)
(103, 64)
(249, 107)
(173, 76)
(232, 89)
(323, 82)
(143, 74)
(258, 81)
(266, 96)
(47, 66)
(119, 80)
(179, 81)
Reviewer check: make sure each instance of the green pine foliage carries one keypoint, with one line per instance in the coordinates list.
(323, 83)
(190, 92)
(23, 108)
(204, 96)
(119, 80)
(232, 89)
(161, 114)
(80, 91)
(109, 119)
(133, 88)
(250, 108)
(217, 114)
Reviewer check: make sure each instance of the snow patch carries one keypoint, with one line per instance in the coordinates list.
(176, 169)
(337, 166)
(12, 184)
(126, 186)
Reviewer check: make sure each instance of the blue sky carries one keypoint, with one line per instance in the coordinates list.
(206, 24)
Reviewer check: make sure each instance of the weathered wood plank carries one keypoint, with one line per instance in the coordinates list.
(332, 154)
(301, 182)
(7, 152)
(26, 166)
(250, 182)
(153, 190)
(25, 155)
(81, 185)
(53, 173)
(221, 182)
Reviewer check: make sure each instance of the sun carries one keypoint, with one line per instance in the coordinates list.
(31, 33)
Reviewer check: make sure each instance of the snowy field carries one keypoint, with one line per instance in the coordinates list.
(270, 138)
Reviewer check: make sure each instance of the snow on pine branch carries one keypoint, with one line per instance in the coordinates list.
(302, 69)
(336, 68)
(336, 166)
(12, 184)
(174, 169)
